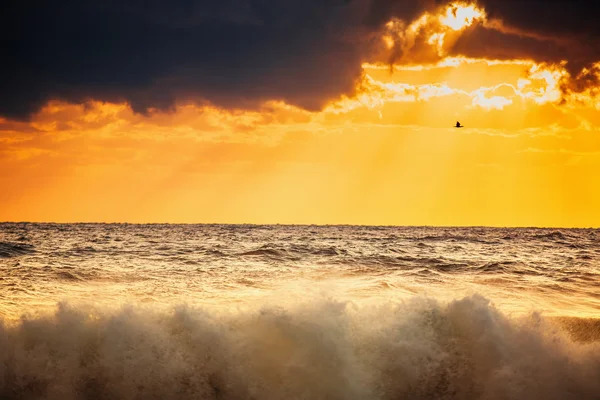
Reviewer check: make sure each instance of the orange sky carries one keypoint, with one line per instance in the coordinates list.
(528, 156)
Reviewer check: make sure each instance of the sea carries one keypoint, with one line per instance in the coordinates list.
(161, 311)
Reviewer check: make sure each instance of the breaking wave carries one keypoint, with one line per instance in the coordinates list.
(325, 349)
(8, 250)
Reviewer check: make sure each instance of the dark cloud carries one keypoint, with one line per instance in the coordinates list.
(153, 52)
(570, 24)
(552, 18)
(233, 53)
(482, 42)
(380, 11)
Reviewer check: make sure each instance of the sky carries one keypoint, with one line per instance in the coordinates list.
(301, 112)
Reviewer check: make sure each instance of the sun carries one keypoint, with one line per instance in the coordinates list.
(459, 16)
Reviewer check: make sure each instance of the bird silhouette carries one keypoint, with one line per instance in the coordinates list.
(458, 125)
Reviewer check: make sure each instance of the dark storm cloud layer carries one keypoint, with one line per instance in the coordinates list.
(480, 41)
(150, 52)
(566, 29)
(233, 53)
(575, 18)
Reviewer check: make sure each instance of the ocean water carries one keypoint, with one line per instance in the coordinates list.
(118, 311)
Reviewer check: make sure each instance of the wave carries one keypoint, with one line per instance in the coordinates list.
(555, 235)
(453, 238)
(264, 251)
(68, 276)
(326, 349)
(294, 251)
(9, 250)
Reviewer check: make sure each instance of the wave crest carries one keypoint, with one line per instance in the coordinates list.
(419, 349)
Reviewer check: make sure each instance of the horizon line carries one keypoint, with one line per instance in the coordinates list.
(299, 224)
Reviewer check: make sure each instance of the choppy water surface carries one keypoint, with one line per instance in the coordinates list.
(275, 312)
(555, 271)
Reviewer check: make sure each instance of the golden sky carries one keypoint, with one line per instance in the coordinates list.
(529, 154)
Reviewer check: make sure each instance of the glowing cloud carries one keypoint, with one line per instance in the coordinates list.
(550, 78)
(489, 103)
(389, 41)
(537, 84)
(459, 16)
(431, 35)
(437, 39)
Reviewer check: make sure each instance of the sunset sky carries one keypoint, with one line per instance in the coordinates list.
(301, 111)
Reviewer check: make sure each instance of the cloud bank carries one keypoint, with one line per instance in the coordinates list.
(241, 53)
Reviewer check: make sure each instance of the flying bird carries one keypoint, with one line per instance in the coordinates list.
(458, 125)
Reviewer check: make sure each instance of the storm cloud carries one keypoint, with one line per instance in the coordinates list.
(240, 53)
(546, 30)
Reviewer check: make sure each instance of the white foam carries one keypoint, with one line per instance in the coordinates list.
(322, 349)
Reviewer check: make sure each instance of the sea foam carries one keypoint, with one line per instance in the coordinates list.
(322, 349)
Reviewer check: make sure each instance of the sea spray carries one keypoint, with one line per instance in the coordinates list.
(321, 349)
